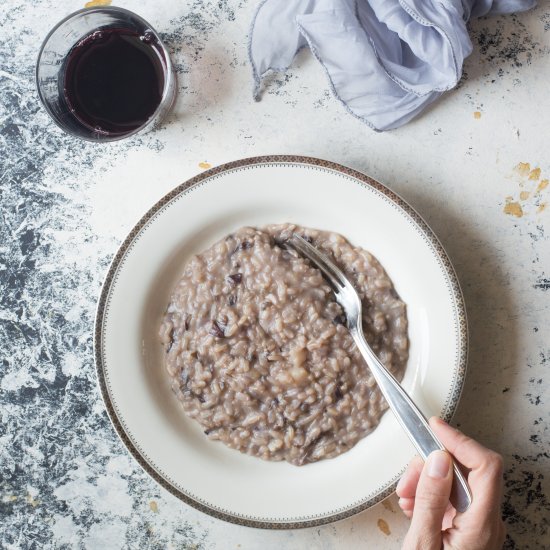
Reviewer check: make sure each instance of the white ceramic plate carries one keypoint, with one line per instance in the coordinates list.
(172, 448)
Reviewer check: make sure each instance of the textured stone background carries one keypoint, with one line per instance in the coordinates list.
(469, 166)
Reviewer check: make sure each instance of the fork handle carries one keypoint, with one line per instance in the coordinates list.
(411, 419)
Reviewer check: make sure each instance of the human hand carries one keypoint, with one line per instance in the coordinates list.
(424, 496)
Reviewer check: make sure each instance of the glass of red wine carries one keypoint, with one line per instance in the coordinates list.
(103, 74)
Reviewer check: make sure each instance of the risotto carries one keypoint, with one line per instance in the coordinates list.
(258, 352)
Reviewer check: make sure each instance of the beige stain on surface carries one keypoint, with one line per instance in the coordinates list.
(154, 506)
(528, 194)
(523, 168)
(477, 115)
(9, 498)
(384, 527)
(205, 165)
(96, 3)
(513, 209)
(534, 174)
(387, 505)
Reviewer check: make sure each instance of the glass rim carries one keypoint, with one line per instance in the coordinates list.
(169, 75)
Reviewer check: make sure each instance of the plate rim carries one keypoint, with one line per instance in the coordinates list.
(451, 401)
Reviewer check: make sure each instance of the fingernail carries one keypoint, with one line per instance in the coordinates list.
(439, 464)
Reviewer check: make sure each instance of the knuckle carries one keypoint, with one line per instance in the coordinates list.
(463, 442)
(406, 503)
(431, 501)
(494, 463)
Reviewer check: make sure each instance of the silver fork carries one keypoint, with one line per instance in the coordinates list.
(407, 413)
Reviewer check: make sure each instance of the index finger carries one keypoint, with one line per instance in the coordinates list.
(469, 452)
(485, 477)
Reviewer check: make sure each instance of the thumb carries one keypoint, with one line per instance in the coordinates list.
(430, 503)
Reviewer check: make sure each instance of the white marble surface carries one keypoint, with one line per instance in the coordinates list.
(65, 479)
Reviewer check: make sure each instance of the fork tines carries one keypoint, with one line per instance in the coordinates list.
(320, 260)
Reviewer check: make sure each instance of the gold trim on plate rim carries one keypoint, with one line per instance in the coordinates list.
(452, 398)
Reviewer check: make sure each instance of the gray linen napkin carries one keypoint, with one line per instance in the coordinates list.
(386, 60)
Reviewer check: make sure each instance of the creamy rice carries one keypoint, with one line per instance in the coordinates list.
(257, 350)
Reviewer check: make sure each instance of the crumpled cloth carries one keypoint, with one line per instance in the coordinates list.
(386, 60)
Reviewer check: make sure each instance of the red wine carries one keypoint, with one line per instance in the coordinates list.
(114, 80)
